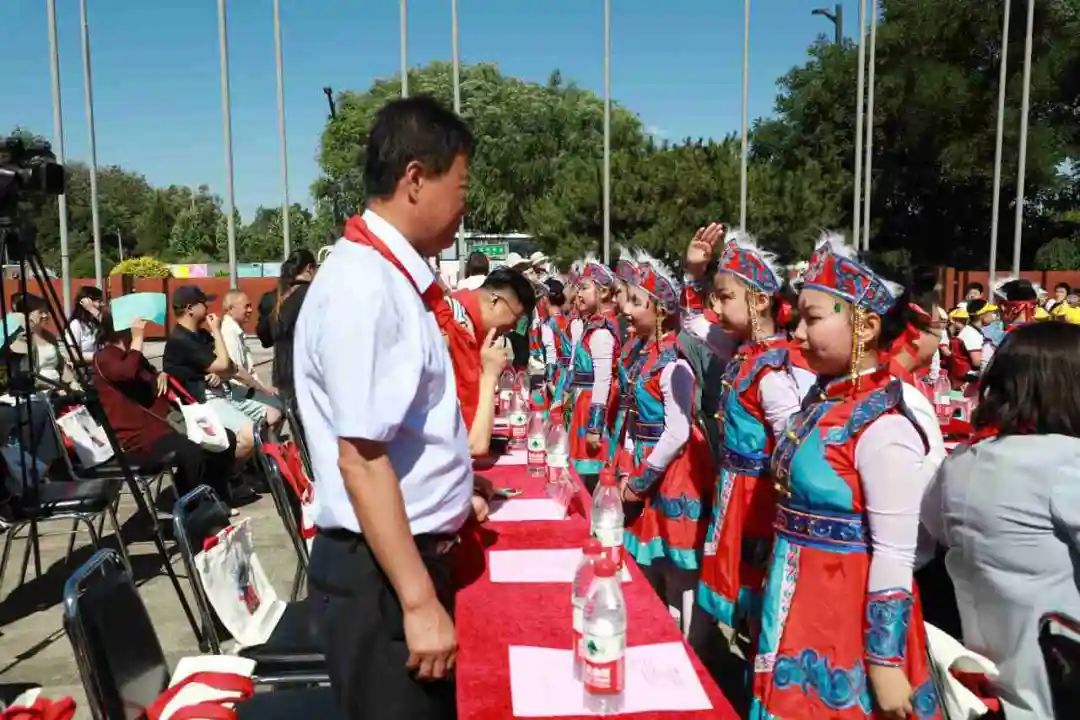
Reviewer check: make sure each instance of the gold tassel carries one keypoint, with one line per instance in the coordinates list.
(858, 320)
(755, 323)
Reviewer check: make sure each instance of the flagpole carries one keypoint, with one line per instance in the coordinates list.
(856, 194)
(1002, 78)
(58, 150)
(226, 126)
(1025, 103)
(285, 235)
(869, 127)
(607, 131)
(456, 64)
(404, 50)
(88, 87)
(743, 179)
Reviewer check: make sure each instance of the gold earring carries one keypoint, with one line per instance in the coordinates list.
(858, 320)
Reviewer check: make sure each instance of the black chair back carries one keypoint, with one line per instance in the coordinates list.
(296, 427)
(120, 659)
(1059, 640)
(198, 515)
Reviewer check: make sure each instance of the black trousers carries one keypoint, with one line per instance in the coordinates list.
(362, 626)
(194, 465)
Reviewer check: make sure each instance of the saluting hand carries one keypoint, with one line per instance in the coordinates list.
(701, 248)
(429, 635)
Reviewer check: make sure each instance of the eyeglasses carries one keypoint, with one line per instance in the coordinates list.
(515, 309)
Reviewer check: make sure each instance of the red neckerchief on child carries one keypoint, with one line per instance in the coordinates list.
(358, 232)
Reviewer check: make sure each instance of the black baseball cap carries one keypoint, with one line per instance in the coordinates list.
(186, 295)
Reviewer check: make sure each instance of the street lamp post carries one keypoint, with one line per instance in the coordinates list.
(404, 49)
(837, 17)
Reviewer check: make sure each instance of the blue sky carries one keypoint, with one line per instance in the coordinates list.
(677, 64)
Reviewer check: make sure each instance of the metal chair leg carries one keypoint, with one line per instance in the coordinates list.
(119, 539)
(7, 552)
(31, 539)
(71, 539)
(294, 594)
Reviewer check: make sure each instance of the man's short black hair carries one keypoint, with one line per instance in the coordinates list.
(477, 264)
(505, 278)
(974, 286)
(416, 128)
(1063, 286)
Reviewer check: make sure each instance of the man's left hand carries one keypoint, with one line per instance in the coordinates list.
(213, 379)
(480, 508)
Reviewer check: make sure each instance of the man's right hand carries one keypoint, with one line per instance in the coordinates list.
(493, 355)
(213, 322)
(429, 635)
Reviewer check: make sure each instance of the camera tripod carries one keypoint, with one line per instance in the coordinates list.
(18, 240)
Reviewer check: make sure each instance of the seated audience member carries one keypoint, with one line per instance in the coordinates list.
(476, 271)
(297, 272)
(972, 291)
(473, 322)
(247, 391)
(86, 319)
(133, 397)
(1008, 509)
(195, 355)
(38, 349)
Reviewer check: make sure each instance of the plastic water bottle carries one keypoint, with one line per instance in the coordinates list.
(521, 384)
(579, 593)
(560, 486)
(943, 399)
(506, 391)
(604, 637)
(519, 420)
(558, 445)
(536, 444)
(607, 517)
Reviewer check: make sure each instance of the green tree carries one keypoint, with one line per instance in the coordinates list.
(153, 226)
(262, 238)
(935, 123)
(1058, 254)
(197, 234)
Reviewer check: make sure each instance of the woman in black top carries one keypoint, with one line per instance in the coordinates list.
(296, 273)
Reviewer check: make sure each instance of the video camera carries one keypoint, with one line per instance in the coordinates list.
(27, 167)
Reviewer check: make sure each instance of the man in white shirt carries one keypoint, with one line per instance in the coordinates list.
(247, 391)
(389, 449)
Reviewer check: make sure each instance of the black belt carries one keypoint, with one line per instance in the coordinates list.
(437, 544)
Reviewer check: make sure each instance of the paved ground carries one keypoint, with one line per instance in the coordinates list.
(33, 647)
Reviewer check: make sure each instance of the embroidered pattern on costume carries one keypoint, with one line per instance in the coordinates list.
(888, 614)
(837, 688)
(867, 410)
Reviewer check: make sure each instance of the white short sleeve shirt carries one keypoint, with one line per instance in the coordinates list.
(370, 362)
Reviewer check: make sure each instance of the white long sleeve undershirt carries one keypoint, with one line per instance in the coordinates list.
(602, 350)
(677, 391)
(890, 459)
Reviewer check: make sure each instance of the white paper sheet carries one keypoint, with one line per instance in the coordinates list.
(512, 458)
(658, 677)
(537, 566)
(524, 509)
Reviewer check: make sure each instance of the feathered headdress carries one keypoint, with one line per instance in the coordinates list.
(626, 267)
(592, 269)
(834, 268)
(745, 259)
(657, 279)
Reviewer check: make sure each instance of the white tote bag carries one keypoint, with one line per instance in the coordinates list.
(204, 428)
(91, 443)
(948, 654)
(237, 587)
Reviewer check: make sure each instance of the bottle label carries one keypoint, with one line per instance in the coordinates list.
(535, 457)
(609, 537)
(558, 460)
(517, 425)
(605, 664)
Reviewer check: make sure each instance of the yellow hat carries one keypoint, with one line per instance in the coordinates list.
(989, 308)
(959, 314)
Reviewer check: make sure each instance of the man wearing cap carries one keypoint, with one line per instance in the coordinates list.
(196, 355)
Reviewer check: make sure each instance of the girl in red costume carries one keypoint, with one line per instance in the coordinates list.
(841, 626)
(661, 450)
(761, 388)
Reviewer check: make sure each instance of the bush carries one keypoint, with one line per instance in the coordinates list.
(1058, 254)
(147, 267)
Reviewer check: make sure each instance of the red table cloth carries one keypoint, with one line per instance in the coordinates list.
(490, 617)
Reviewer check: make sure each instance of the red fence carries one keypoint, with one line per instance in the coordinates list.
(954, 281)
(216, 286)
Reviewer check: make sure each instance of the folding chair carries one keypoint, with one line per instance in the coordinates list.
(120, 659)
(293, 653)
(1059, 640)
(80, 500)
(296, 428)
(288, 509)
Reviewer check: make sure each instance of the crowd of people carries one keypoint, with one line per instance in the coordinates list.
(783, 469)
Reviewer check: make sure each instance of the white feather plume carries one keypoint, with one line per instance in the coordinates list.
(626, 253)
(838, 243)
